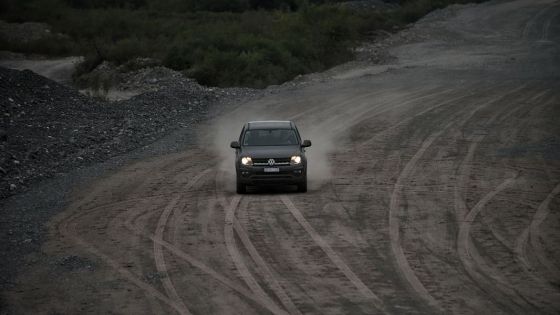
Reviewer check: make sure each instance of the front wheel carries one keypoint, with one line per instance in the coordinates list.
(241, 188)
(302, 187)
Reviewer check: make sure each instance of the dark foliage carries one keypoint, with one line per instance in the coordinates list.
(251, 43)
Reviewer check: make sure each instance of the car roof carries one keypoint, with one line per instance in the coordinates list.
(270, 124)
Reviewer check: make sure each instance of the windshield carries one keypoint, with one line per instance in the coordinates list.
(270, 137)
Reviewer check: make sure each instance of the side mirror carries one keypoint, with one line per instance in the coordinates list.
(235, 145)
(306, 143)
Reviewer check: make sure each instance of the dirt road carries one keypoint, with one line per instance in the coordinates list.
(435, 188)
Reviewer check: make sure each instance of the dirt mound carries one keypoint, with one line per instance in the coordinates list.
(49, 128)
(58, 69)
(136, 77)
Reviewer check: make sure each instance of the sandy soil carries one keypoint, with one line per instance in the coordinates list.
(434, 189)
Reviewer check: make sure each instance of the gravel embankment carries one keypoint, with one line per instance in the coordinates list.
(53, 139)
(48, 128)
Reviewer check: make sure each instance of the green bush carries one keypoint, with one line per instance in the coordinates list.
(251, 43)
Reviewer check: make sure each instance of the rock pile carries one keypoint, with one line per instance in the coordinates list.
(48, 128)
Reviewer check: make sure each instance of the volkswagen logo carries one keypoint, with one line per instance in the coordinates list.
(271, 162)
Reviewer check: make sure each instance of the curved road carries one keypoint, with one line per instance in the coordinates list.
(435, 188)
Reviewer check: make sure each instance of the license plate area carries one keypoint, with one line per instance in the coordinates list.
(271, 170)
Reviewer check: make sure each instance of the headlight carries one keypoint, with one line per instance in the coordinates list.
(295, 160)
(246, 161)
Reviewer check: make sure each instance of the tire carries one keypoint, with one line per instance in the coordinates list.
(302, 187)
(241, 188)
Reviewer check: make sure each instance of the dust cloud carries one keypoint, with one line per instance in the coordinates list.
(319, 166)
(228, 127)
(59, 70)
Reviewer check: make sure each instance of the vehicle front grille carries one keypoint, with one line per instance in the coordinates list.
(277, 161)
(277, 178)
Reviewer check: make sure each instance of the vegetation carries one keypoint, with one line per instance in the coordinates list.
(219, 42)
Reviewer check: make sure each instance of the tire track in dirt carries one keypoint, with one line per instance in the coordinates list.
(472, 260)
(146, 180)
(532, 233)
(388, 105)
(394, 225)
(204, 221)
(546, 25)
(466, 164)
(69, 229)
(135, 239)
(465, 167)
(332, 112)
(205, 218)
(336, 106)
(131, 245)
(268, 275)
(158, 250)
(288, 248)
(71, 218)
(202, 267)
(236, 255)
(410, 118)
(132, 249)
(362, 105)
(266, 271)
(238, 258)
(294, 256)
(402, 122)
(165, 215)
(531, 23)
(394, 233)
(534, 238)
(423, 112)
(539, 99)
(504, 286)
(333, 256)
(357, 116)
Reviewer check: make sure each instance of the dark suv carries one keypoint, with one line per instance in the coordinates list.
(270, 152)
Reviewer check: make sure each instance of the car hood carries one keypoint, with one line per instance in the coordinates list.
(271, 151)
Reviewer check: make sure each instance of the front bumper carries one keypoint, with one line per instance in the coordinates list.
(255, 175)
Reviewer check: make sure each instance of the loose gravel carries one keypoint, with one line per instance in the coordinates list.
(54, 139)
(48, 128)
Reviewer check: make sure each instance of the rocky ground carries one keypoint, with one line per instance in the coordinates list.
(49, 128)
(434, 186)
(54, 138)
